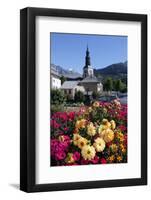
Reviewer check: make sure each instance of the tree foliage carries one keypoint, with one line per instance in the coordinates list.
(57, 97)
(108, 84)
(120, 86)
(95, 95)
(79, 97)
(63, 79)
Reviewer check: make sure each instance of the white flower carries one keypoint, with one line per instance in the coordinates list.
(100, 129)
(82, 142)
(99, 144)
(91, 130)
(76, 138)
(88, 152)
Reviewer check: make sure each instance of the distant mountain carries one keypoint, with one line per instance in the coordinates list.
(69, 74)
(59, 69)
(116, 71)
(118, 68)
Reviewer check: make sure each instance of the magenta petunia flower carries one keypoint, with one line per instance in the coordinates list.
(76, 156)
(60, 156)
(95, 160)
(84, 162)
(103, 161)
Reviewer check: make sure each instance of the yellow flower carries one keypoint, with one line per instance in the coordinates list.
(114, 147)
(61, 138)
(76, 131)
(113, 124)
(76, 137)
(104, 110)
(69, 159)
(96, 104)
(88, 152)
(100, 129)
(108, 135)
(90, 109)
(111, 158)
(80, 124)
(91, 130)
(99, 144)
(106, 123)
(116, 102)
(120, 136)
(122, 148)
(82, 142)
(119, 158)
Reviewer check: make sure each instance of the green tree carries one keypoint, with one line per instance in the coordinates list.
(108, 85)
(118, 85)
(114, 84)
(79, 97)
(95, 95)
(63, 79)
(123, 87)
(57, 97)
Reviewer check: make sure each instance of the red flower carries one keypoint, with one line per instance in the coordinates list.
(66, 129)
(108, 144)
(122, 128)
(95, 160)
(84, 162)
(76, 156)
(54, 124)
(103, 161)
(71, 115)
(125, 139)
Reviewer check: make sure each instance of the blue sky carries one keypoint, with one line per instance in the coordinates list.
(68, 50)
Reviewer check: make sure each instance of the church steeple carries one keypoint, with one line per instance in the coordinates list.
(87, 57)
(87, 69)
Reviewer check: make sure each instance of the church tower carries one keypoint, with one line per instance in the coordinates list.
(87, 69)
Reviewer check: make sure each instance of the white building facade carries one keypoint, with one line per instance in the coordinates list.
(55, 79)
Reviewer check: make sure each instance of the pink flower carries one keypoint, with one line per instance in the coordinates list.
(122, 127)
(71, 115)
(60, 155)
(103, 161)
(76, 156)
(84, 162)
(66, 129)
(71, 164)
(59, 147)
(125, 139)
(54, 124)
(95, 160)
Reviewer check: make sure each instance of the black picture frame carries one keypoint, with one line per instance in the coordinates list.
(28, 99)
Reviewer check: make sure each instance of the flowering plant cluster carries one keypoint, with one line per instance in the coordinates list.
(96, 134)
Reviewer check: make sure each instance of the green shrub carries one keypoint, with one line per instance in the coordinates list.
(57, 97)
(79, 97)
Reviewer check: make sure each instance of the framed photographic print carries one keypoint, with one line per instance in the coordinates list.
(83, 99)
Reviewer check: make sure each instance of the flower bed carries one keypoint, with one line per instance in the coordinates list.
(94, 135)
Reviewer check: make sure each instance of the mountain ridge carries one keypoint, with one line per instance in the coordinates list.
(115, 70)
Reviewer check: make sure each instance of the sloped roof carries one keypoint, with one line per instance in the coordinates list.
(69, 84)
(89, 79)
